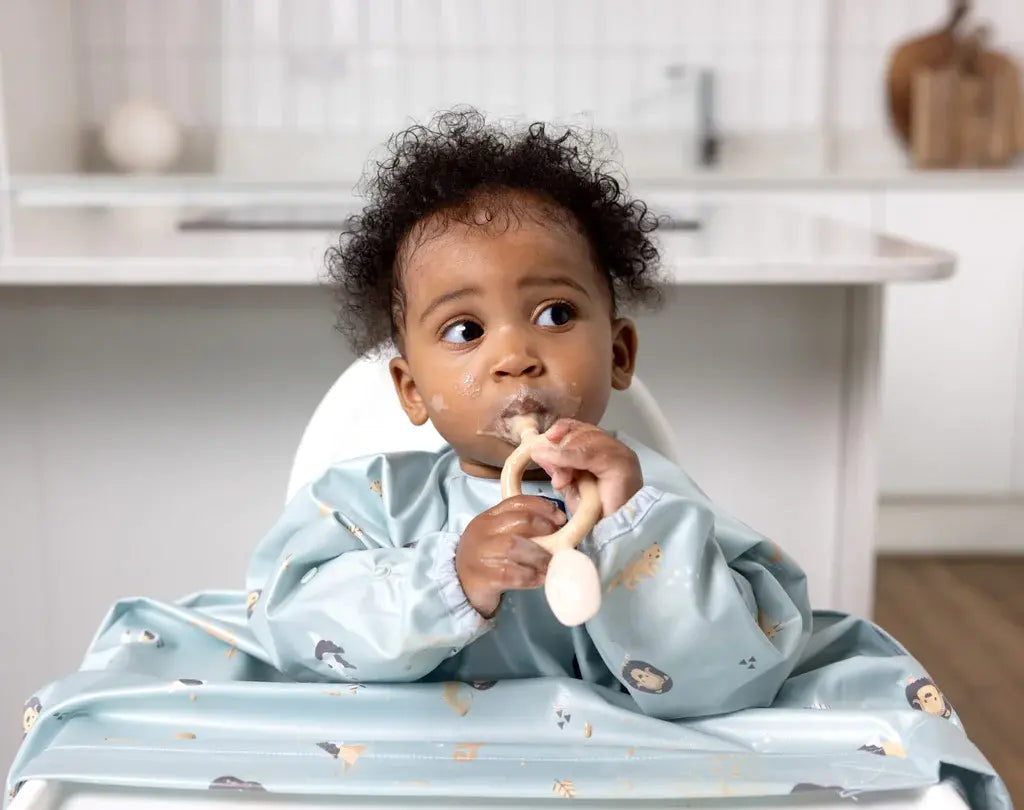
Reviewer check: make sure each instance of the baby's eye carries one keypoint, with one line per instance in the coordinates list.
(557, 314)
(463, 332)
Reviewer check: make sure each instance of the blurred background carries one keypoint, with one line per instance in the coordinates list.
(798, 85)
(147, 417)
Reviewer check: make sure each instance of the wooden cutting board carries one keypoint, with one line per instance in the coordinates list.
(970, 112)
(932, 51)
(1004, 75)
(934, 139)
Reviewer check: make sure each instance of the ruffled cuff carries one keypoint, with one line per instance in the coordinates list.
(624, 520)
(467, 623)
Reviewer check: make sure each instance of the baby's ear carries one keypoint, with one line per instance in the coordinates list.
(624, 347)
(408, 394)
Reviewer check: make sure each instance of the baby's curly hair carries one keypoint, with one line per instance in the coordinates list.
(441, 168)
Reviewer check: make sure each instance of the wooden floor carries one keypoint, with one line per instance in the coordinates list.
(963, 619)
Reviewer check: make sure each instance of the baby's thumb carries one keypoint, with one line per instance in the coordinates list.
(560, 476)
(571, 492)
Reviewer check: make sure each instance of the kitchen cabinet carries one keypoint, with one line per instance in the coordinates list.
(952, 384)
(952, 381)
(953, 369)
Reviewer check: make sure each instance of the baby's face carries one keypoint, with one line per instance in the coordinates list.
(503, 317)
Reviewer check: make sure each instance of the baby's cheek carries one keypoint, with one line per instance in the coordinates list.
(436, 404)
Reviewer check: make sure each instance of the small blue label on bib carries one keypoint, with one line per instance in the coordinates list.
(556, 502)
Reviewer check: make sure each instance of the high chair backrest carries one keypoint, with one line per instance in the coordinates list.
(360, 415)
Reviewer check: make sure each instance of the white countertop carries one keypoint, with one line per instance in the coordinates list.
(213, 189)
(142, 246)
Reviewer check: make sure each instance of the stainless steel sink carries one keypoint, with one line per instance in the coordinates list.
(319, 218)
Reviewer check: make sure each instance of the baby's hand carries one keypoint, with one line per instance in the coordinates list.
(496, 552)
(574, 446)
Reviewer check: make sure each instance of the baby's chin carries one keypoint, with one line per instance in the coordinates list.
(487, 461)
(479, 469)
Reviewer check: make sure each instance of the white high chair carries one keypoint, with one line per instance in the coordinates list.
(364, 395)
(360, 415)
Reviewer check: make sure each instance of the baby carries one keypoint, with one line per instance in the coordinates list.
(498, 265)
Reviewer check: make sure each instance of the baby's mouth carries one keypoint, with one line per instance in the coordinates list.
(536, 404)
(525, 405)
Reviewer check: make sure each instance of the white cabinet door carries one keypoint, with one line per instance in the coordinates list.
(950, 380)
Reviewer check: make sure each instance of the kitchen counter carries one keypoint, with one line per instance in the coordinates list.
(207, 189)
(144, 246)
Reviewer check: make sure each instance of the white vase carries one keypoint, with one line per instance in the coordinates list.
(141, 137)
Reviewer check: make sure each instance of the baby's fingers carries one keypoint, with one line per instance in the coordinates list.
(526, 552)
(560, 476)
(513, 576)
(571, 493)
(571, 445)
(563, 480)
(526, 506)
(563, 427)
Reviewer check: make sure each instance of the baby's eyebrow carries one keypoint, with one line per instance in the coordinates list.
(453, 295)
(552, 281)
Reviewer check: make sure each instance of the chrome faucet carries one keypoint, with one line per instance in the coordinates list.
(708, 140)
(706, 135)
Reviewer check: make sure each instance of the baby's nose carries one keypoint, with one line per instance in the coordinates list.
(516, 365)
(515, 356)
